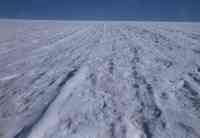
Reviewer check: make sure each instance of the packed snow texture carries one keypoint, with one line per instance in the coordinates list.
(70, 79)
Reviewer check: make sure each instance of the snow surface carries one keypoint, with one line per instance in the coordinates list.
(82, 79)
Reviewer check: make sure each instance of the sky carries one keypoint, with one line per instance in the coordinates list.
(173, 10)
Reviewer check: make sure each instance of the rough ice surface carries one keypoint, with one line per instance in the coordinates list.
(70, 79)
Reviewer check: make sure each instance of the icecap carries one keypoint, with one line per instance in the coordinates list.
(89, 79)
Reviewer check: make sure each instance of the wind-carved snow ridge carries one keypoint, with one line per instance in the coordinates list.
(51, 116)
(55, 102)
(99, 79)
